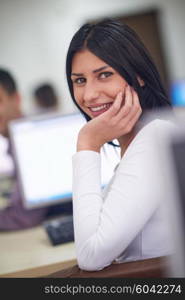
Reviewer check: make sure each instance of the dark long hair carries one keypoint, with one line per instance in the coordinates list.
(120, 47)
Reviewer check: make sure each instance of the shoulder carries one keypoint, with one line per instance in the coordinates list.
(154, 131)
(156, 126)
(148, 137)
(142, 159)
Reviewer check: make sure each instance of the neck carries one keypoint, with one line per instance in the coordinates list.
(125, 141)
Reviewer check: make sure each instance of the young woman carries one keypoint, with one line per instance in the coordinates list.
(113, 81)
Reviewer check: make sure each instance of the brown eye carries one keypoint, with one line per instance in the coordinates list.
(79, 80)
(105, 74)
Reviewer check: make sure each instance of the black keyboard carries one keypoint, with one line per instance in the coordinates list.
(60, 230)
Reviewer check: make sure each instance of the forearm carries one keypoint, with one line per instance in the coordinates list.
(94, 223)
(87, 200)
(87, 205)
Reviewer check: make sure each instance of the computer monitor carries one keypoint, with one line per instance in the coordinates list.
(43, 146)
(177, 92)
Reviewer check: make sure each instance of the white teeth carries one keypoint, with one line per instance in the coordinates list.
(99, 107)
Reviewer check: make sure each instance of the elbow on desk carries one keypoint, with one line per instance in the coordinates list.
(91, 260)
(89, 265)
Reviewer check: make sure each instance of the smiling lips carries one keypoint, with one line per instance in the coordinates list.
(97, 110)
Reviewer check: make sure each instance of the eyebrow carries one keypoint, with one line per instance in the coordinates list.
(94, 71)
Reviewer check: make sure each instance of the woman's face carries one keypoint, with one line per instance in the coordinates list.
(95, 83)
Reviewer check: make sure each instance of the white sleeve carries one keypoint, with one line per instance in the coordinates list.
(105, 227)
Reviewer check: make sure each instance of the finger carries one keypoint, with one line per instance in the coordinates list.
(135, 104)
(132, 122)
(118, 101)
(113, 110)
(127, 107)
(135, 98)
(136, 108)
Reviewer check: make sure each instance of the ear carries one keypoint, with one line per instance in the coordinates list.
(141, 81)
(17, 98)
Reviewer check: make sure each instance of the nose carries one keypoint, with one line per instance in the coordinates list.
(91, 93)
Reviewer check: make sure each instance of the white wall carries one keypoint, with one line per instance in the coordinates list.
(34, 37)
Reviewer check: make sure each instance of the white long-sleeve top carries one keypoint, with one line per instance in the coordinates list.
(126, 222)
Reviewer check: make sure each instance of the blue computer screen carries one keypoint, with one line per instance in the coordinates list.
(178, 93)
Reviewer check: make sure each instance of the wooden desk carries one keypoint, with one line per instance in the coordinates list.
(29, 253)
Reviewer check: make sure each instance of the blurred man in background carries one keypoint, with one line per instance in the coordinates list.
(46, 98)
(14, 216)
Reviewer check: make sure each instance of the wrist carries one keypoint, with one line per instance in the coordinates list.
(87, 146)
(86, 143)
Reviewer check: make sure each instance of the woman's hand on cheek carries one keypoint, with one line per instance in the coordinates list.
(117, 121)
